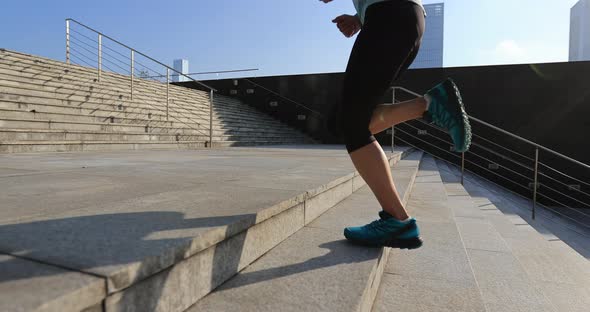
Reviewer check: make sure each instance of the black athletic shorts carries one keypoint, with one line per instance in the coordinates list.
(386, 46)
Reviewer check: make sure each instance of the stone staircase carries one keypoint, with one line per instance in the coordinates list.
(474, 259)
(47, 105)
(291, 255)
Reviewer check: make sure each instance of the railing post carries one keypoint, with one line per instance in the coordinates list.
(132, 71)
(211, 119)
(535, 187)
(393, 126)
(462, 168)
(99, 55)
(167, 93)
(68, 41)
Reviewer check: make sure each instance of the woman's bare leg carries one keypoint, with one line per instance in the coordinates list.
(387, 115)
(371, 162)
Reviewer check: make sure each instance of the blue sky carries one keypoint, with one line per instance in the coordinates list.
(283, 36)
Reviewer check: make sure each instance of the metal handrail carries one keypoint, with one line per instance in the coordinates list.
(462, 169)
(200, 131)
(509, 133)
(512, 161)
(132, 71)
(208, 73)
(140, 53)
(473, 153)
(546, 207)
(472, 172)
(537, 147)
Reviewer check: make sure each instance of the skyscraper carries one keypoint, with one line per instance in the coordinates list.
(580, 31)
(182, 67)
(431, 50)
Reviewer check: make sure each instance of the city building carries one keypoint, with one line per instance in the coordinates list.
(580, 31)
(181, 66)
(431, 50)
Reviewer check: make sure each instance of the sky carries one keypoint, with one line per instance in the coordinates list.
(282, 37)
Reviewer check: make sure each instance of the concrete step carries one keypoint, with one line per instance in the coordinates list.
(557, 271)
(22, 99)
(306, 271)
(131, 128)
(162, 229)
(226, 122)
(121, 96)
(120, 118)
(11, 135)
(89, 74)
(15, 58)
(22, 95)
(56, 80)
(48, 288)
(86, 146)
(18, 97)
(94, 145)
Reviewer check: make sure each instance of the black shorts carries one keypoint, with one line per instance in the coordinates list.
(386, 46)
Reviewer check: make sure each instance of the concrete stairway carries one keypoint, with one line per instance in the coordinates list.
(47, 105)
(264, 234)
(147, 236)
(474, 259)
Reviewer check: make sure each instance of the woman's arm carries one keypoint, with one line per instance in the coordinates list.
(347, 24)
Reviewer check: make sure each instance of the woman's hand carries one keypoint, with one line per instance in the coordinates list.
(349, 25)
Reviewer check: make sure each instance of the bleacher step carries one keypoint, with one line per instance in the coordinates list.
(43, 94)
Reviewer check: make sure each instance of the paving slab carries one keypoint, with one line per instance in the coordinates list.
(504, 284)
(305, 272)
(410, 293)
(442, 256)
(32, 286)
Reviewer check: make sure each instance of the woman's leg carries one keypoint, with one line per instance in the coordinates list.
(372, 164)
(371, 161)
(387, 115)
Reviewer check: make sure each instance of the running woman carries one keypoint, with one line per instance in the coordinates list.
(389, 39)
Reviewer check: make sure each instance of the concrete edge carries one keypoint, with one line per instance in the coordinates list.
(326, 193)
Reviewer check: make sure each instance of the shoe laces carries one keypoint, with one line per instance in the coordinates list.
(377, 226)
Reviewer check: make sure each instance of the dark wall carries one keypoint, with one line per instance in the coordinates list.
(546, 103)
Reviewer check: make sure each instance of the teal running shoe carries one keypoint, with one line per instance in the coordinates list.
(386, 233)
(447, 111)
